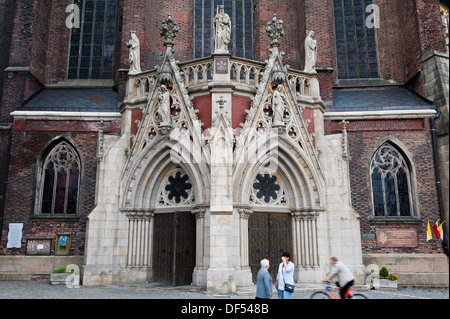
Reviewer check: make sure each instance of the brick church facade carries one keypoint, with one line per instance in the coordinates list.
(362, 147)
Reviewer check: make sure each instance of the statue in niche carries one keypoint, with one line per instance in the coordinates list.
(222, 30)
(310, 52)
(134, 54)
(164, 105)
(278, 106)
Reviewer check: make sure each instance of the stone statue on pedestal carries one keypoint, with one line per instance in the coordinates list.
(134, 54)
(310, 53)
(222, 30)
(278, 106)
(164, 105)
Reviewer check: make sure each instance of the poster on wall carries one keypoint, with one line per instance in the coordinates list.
(63, 244)
(38, 246)
(15, 235)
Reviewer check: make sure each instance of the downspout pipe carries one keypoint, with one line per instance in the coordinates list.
(436, 170)
(5, 185)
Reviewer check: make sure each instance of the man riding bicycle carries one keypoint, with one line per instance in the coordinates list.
(345, 277)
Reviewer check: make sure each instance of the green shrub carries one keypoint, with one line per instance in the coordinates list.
(59, 270)
(384, 273)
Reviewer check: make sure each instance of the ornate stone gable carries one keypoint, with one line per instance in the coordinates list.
(262, 120)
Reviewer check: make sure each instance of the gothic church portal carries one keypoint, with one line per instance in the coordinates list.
(240, 193)
(184, 141)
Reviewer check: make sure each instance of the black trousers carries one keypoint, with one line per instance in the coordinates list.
(344, 289)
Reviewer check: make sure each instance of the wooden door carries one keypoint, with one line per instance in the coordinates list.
(174, 248)
(269, 236)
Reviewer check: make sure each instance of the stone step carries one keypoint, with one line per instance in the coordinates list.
(14, 276)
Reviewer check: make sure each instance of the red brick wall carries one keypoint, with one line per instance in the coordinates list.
(57, 51)
(408, 31)
(7, 14)
(289, 12)
(239, 105)
(203, 105)
(29, 140)
(414, 134)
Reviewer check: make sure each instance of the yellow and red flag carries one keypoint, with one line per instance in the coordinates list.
(438, 230)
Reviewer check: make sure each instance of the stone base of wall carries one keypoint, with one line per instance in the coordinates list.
(414, 270)
(34, 267)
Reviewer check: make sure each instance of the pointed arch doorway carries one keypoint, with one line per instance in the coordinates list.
(174, 232)
(174, 248)
(270, 234)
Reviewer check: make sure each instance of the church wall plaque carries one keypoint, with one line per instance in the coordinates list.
(38, 246)
(396, 237)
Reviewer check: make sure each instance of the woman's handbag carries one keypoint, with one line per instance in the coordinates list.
(287, 287)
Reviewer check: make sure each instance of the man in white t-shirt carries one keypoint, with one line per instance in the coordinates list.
(345, 277)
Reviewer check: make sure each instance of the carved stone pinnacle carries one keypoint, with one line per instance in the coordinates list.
(169, 29)
(274, 29)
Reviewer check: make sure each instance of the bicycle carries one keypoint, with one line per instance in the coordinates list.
(329, 294)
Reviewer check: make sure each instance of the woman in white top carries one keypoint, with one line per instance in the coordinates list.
(285, 275)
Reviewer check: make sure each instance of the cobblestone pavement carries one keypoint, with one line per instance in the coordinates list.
(44, 290)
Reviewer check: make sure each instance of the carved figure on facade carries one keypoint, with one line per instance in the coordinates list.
(222, 30)
(164, 105)
(310, 52)
(134, 54)
(278, 106)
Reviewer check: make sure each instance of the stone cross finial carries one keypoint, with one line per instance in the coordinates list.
(274, 29)
(169, 29)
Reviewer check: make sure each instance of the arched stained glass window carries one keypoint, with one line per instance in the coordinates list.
(60, 181)
(92, 45)
(391, 183)
(240, 12)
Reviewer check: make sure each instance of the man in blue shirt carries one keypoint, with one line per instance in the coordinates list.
(264, 281)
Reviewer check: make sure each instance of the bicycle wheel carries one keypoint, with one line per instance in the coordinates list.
(359, 296)
(320, 295)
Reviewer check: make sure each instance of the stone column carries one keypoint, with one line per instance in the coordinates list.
(199, 275)
(200, 222)
(224, 244)
(140, 228)
(296, 242)
(306, 256)
(244, 215)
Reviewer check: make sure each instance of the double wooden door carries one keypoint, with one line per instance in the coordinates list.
(269, 235)
(174, 248)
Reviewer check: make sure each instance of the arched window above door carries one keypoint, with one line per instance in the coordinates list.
(268, 190)
(176, 189)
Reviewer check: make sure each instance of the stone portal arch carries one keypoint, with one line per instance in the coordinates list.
(160, 200)
(280, 209)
